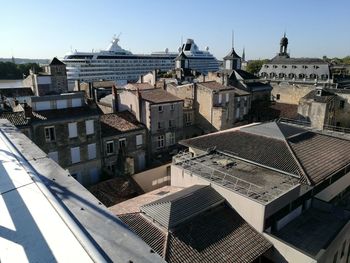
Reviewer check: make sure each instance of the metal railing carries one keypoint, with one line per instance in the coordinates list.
(254, 191)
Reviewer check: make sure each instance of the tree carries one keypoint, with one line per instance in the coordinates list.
(9, 70)
(254, 66)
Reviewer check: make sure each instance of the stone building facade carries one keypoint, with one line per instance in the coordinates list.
(53, 79)
(161, 113)
(68, 130)
(124, 143)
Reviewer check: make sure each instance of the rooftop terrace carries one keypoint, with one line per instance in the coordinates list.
(260, 184)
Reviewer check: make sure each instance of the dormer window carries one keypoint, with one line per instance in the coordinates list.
(275, 66)
(319, 92)
(266, 66)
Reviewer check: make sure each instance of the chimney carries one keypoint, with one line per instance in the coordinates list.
(154, 77)
(27, 110)
(115, 101)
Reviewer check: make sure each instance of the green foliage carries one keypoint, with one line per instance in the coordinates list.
(254, 66)
(9, 70)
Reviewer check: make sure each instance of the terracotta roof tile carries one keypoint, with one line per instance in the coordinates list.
(120, 122)
(158, 96)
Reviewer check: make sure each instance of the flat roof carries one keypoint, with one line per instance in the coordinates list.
(133, 205)
(314, 229)
(47, 216)
(255, 182)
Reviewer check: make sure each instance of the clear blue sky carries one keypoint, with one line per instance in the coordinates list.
(43, 29)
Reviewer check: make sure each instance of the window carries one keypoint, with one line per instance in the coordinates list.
(76, 102)
(110, 147)
(278, 96)
(42, 105)
(53, 156)
(341, 104)
(237, 113)
(188, 118)
(220, 98)
(89, 125)
(75, 154)
(72, 130)
(172, 106)
(61, 104)
(139, 140)
(122, 143)
(160, 141)
(160, 108)
(170, 138)
(227, 97)
(50, 134)
(160, 125)
(171, 123)
(91, 151)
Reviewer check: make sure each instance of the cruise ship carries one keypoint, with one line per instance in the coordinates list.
(121, 66)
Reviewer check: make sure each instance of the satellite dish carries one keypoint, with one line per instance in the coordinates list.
(166, 50)
(207, 48)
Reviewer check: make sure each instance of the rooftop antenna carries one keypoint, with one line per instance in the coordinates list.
(119, 35)
(182, 40)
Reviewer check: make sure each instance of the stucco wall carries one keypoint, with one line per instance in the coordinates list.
(290, 94)
(152, 179)
(251, 211)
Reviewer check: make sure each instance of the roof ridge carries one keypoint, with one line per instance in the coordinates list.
(301, 167)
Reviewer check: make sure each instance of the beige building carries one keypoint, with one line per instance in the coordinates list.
(283, 181)
(161, 113)
(53, 80)
(124, 144)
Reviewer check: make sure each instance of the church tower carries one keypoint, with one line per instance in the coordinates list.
(232, 60)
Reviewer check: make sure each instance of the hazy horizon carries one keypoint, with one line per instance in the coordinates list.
(43, 30)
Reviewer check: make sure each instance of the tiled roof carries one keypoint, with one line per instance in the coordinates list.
(16, 92)
(148, 232)
(176, 208)
(263, 150)
(103, 84)
(55, 61)
(213, 85)
(158, 96)
(120, 122)
(140, 86)
(114, 191)
(320, 155)
(311, 156)
(64, 113)
(232, 54)
(282, 60)
(16, 118)
(324, 98)
(217, 235)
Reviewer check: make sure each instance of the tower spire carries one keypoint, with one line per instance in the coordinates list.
(233, 38)
(243, 54)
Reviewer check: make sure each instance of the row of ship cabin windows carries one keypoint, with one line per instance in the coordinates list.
(75, 154)
(293, 66)
(110, 145)
(293, 76)
(50, 133)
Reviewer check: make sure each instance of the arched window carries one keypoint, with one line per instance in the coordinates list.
(272, 74)
(281, 75)
(313, 76)
(301, 76)
(291, 75)
(263, 74)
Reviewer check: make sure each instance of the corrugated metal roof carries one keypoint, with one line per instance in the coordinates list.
(176, 208)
